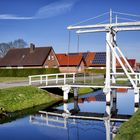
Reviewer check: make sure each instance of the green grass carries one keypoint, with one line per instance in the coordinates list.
(84, 90)
(130, 130)
(19, 98)
(12, 79)
(95, 71)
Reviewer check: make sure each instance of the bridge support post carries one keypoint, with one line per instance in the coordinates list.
(107, 89)
(75, 89)
(114, 102)
(107, 127)
(108, 98)
(136, 97)
(66, 107)
(66, 90)
(107, 121)
(114, 95)
(76, 106)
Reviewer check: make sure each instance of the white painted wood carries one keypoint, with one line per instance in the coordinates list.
(123, 24)
(113, 59)
(66, 90)
(40, 79)
(122, 65)
(136, 98)
(126, 62)
(105, 30)
(46, 80)
(107, 78)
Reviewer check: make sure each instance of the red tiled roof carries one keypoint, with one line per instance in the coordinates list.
(118, 64)
(132, 62)
(23, 57)
(69, 60)
(122, 90)
(90, 58)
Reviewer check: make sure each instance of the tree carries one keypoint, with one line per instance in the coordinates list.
(19, 43)
(4, 47)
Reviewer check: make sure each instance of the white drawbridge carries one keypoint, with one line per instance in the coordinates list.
(113, 54)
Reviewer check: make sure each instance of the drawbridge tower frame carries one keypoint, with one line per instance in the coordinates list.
(113, 52)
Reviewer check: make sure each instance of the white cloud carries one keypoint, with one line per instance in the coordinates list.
(13, 17)
(54, 9)
(50, 10)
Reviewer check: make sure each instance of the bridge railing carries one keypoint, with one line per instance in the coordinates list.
(59, 78)
(120, 76)
(65, 78)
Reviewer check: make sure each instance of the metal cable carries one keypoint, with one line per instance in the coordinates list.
(92, 18)
(127, 19)
(127, 14)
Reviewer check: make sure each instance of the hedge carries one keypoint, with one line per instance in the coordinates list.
(102, 71)
(26, 72)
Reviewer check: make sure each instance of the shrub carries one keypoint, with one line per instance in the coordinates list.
(26, 72)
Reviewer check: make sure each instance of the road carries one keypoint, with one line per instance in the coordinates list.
(13, 84)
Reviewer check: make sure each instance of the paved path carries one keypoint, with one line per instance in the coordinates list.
(13, 84)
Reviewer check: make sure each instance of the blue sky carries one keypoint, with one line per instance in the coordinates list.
(44, 22)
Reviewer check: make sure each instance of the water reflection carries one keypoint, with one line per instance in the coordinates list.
(105, 129)
(88, 116)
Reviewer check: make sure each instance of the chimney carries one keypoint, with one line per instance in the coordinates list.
(32, 47)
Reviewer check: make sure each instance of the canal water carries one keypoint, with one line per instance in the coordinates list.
(40, 127)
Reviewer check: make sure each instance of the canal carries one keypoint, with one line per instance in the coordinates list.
(47, 127)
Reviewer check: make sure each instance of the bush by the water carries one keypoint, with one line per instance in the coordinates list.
(26, 72)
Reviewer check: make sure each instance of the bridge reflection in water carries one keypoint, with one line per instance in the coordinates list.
(106, 122)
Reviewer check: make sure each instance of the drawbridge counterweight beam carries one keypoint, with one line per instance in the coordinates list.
(123, 24)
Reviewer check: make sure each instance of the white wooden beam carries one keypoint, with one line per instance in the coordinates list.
(105, 30)
(123, 24)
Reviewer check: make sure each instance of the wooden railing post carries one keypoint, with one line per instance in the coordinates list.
(46, 80)
(40, 79)
(30, 80)
(73, 77)
(56, 78)
(64, 78)
(139, 78)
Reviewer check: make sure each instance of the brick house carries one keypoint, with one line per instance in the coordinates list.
(71, 63)
(33, 57)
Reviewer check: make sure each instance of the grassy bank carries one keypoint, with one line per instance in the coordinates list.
(19, 98)
(130, 130)
(85, 90)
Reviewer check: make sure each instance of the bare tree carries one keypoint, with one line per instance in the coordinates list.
(4, 47)
(19, 43)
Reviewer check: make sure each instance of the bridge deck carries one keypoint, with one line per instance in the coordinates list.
(127, 86)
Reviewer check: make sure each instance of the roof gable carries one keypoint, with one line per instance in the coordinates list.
(69, 60)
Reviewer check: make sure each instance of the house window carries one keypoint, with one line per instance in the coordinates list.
(46, 66)
(52, 57)
(49, 57)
